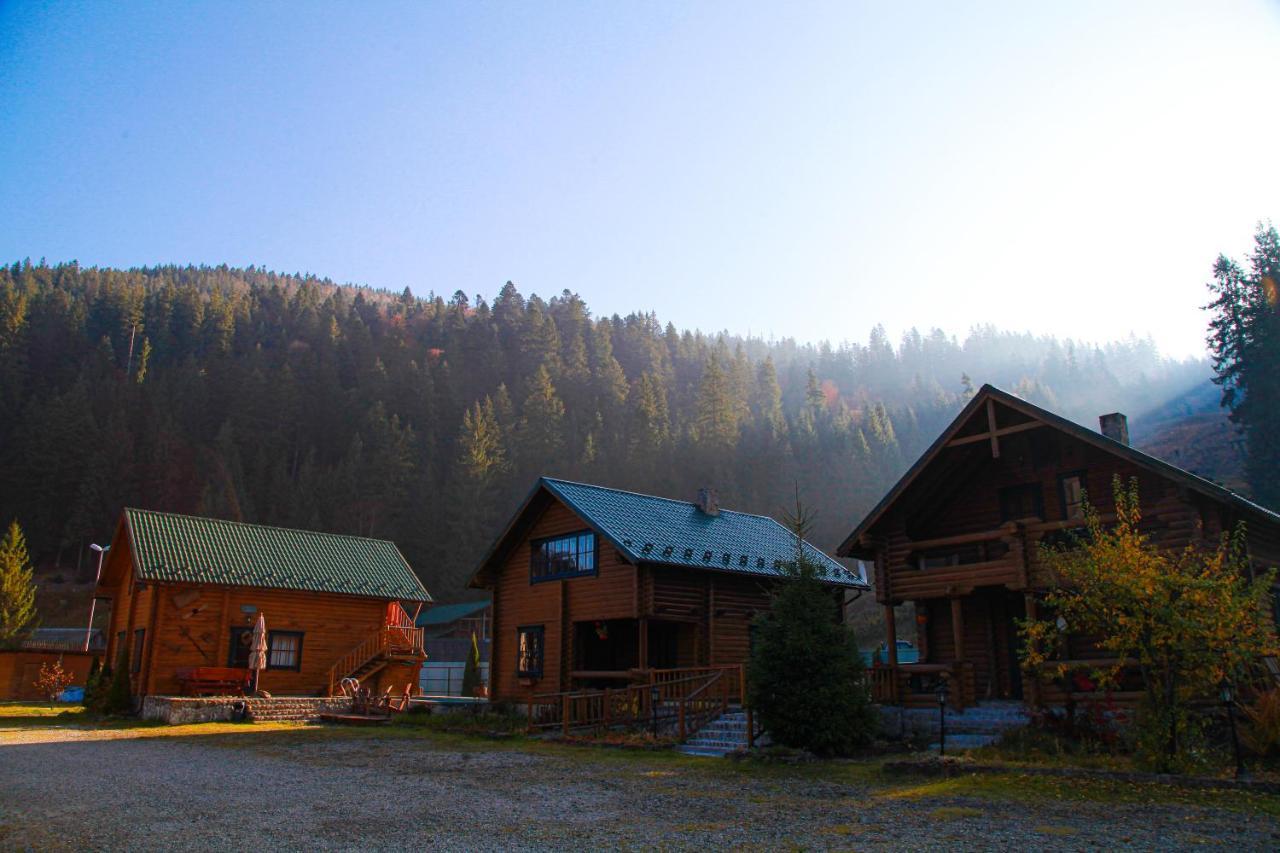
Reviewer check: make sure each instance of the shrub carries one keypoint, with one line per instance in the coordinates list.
(52, 680)
(119, 698)
(1261, 731)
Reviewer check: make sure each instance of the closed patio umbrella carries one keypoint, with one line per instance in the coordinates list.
(258, 649)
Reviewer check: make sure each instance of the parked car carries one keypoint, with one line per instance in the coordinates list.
(907, 653)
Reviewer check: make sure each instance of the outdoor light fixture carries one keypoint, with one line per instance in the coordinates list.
(1226, 693)
(941, 691)
(93, 602)
(654, 693)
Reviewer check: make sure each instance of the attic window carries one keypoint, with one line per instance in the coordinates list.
(666, 552)
(561, 557)
(706, 556)
(728, 558)
(742, 561)
(688, 553)
(759, 562)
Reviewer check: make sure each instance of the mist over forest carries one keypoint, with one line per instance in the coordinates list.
(291, 400)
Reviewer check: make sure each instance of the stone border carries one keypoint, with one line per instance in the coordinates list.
(947, 767)
(182, 710)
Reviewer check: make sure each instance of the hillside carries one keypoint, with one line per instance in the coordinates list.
(1194, 432)
(289, 400)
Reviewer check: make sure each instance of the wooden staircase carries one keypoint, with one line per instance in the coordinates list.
(396, 641)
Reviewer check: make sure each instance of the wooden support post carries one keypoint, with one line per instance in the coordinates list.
(607, 705)
(890, 637)
(644, 644)
(991, 425)
(957, 637)
(566, 708)
(681, 724)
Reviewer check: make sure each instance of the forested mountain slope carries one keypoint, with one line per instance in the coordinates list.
(290, 400)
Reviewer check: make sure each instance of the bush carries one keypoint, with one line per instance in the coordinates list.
(806, 679)
(471, 672)
(119, 698)
(1261, 731)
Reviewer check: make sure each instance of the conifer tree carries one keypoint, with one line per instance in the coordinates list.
(17, 588)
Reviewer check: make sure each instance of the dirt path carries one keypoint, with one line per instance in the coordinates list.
(339, 790)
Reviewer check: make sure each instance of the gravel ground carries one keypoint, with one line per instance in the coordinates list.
(347, 790)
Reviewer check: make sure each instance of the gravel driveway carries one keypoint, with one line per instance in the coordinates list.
(63, 788)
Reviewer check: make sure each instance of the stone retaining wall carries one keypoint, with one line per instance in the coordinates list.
(180, 710)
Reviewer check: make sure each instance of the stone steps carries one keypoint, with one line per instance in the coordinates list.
(720, 737)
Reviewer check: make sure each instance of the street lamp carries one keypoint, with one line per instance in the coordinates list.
(941, 691)
(654, 693)
(93, 602)
(1225, 692)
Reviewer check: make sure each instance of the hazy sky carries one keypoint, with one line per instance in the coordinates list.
(795, 169)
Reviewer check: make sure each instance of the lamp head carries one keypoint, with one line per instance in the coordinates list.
(93, 546)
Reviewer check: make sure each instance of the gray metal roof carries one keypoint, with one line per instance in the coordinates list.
(649, 529)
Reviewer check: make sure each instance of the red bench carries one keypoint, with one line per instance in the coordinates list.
(212, 680)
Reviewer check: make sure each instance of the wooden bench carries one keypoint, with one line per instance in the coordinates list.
(212, 680)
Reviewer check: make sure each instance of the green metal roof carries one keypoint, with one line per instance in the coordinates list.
(187, 549)
(648, 529)
(446, 614)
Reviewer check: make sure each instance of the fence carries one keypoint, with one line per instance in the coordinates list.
(444, 678)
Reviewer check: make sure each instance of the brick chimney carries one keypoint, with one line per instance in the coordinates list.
(1115, 426)
(708, 502)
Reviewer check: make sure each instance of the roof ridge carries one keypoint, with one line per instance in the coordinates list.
(261, 526)
(656, 498)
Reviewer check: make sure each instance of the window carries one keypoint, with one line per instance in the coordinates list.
(529, 651)
(563, 557)
(1022, 501)
(135, 660)
(241, 640)
(284, 650)
(1071, 490)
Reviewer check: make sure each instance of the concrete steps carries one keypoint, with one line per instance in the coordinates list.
(720, 737)
(979, 725)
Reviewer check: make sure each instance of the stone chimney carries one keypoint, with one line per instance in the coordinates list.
(1115, 426)
(708, 502)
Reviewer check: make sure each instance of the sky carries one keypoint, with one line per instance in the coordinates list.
(799, 169)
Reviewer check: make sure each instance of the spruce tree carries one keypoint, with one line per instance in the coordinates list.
(17, 588)
(805, 677)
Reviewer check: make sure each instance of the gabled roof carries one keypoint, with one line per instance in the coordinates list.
(188, 549)
(440, 615)
(1194, 482)
(661, 531)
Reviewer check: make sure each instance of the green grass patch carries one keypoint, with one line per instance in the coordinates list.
(955, 812)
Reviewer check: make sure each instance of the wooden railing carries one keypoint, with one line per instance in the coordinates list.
(893, 685)
(683, 699)
(390, 639)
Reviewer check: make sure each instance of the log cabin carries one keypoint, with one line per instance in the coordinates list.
(958, 538)
(185, 593)
(597, 588)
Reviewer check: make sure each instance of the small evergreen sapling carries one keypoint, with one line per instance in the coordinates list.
(471, 672)
(17, 588)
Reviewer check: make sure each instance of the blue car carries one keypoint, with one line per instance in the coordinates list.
(907, 653)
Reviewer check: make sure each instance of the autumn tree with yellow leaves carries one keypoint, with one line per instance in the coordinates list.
(1187, 619)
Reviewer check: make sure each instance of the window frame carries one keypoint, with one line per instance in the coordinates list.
(533, 630)
(139, 647)
(271, 636)
(537, 558)
(1062, 493)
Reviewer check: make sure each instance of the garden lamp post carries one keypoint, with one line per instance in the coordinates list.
(93, 602)
(1226, 693)
(941, 691)
(654, 693)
